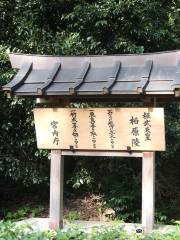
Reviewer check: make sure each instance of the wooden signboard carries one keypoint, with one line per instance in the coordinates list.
(122, 129)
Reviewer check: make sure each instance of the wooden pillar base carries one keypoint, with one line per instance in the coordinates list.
(55, 225)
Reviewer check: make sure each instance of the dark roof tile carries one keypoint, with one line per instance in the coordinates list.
(155, 74)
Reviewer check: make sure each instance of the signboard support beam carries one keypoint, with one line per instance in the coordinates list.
(148, 191)
(56, 190)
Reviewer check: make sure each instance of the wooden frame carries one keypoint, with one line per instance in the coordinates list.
(57, 178)
(56, 184)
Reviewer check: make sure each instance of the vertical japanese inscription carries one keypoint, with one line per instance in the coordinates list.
(111, 128)
(135, 141)
(147, 126)
(93, 133)
(55, 132)
(107, 129)
(74, 124)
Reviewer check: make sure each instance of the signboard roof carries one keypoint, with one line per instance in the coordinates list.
(97, 77)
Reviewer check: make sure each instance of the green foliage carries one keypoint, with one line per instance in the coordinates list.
(166, 236)
(23, 212)
(82, 177)
(161, 217)
(3, 57)
(72, 215)
(89, 27)
(19, 157)
(11, 231)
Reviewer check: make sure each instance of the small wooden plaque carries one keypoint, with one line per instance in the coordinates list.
(122, 129)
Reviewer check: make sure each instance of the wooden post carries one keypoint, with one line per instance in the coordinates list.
(148, 191)
(56, 190)
(56, 175)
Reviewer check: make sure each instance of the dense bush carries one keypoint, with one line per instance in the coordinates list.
(88, 27)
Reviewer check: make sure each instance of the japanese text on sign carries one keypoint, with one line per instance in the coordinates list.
(74, 127)
(141, 129)
(55, 132)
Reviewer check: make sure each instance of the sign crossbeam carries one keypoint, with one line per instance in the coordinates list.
(101, 153)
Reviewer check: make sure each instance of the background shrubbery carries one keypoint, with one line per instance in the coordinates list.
(87, 27)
